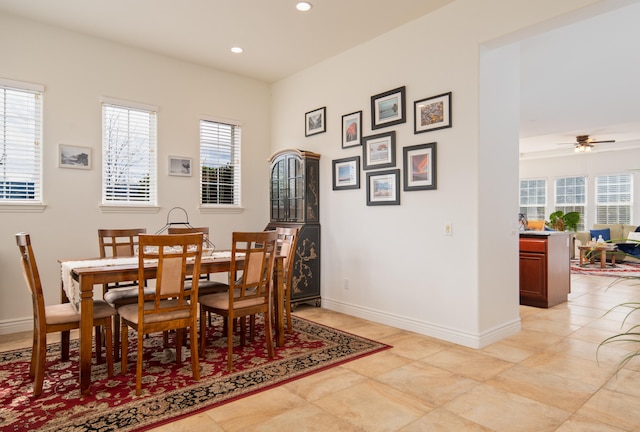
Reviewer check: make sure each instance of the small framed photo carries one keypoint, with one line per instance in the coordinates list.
(180, 166)
(383, 187)
(379, 151)
(352, 129)
(346, 173)
(432, 113)
(388, 108)
(420, 167)
(74, 157)
(315, 121)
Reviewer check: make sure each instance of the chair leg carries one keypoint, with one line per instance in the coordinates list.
(288, 310)
(116, 336)
(34, 354)
(65, 337)
(179, 339)
(108, 337)
(267, 333)
(230, 346)
(98, 344)
(195, 361)
(125, 347)
(139, 363)
(41, 356)
(203, 333)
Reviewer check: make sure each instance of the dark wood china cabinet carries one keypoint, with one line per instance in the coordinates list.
(295, 202)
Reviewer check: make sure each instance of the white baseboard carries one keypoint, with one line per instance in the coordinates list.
(16, 326)
(476, 341)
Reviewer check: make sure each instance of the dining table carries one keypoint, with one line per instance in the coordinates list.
(88, 273)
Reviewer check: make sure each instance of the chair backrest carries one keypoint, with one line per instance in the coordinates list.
(287, 243)
(119, 242)
(258, 251)
(189, 230)
(32, 277)
(178, 257)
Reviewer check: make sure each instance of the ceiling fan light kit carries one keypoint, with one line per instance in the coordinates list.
(584, 143)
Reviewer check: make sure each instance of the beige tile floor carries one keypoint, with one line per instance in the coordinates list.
(546, 378)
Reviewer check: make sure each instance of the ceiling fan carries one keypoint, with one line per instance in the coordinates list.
(584, 143)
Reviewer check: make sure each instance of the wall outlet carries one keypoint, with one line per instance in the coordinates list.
(448, 229)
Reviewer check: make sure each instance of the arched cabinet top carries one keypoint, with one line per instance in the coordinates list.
(302, 153)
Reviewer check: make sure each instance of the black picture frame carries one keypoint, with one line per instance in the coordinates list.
(420, 165)
(315, 122)
(383, 187)
(352, 129)
(388, 108)
(379, 151)
(432, 113)
(346, 173)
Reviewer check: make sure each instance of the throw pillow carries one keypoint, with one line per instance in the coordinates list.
(634, 236)
(605, 233)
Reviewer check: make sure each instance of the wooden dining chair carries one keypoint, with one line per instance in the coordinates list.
(170, 306)
(252, 291)
(56, 318)
(118, 243)
(286, 246)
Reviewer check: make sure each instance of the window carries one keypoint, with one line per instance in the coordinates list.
(571, 196)
(614, 198)
(219, 163)
(533, 198)
(20, 138)
(128, 154)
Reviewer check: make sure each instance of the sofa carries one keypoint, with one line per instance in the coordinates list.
(617, 233)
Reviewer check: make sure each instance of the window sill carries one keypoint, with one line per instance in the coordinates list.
(221, 209)
(22, 207)
(106, 208)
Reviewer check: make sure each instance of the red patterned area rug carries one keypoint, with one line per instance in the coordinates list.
(168, 392)
(619, 270)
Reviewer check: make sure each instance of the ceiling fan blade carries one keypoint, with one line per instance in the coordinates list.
(605, 141)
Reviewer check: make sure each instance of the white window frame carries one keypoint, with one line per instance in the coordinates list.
(570, 200)
(525, 205)
(215, 139)
(147, 146)
(21, 144)
(617, 194)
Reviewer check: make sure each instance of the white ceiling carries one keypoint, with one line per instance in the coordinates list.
(580, 79)
(277, 39)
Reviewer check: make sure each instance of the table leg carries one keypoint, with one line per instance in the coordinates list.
(86, 330)
(603, 258)
(582, 257)
(279, 301)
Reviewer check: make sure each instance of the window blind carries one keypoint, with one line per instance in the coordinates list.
(219, 163)
(614, 198)
(20, 142)
(128, 155)
(571, 196)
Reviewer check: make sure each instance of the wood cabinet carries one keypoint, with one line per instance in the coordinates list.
(295, 202)
(545, 277)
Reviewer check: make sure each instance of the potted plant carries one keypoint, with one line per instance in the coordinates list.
(561, 221)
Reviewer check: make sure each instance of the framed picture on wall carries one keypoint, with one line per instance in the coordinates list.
(352, 129)
(315, 121)
(388, 108)
(346, 173)
(180, 166)
(432, 113)
(74, 157)
(419, 167)
(383, 187)
(379, 151)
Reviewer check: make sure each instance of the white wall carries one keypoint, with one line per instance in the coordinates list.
(76, 71)
(401, 268)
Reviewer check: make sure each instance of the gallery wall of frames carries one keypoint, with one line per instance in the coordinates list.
(418, 169)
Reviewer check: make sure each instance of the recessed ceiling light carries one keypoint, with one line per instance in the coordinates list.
(303, 6)
(236, 50)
